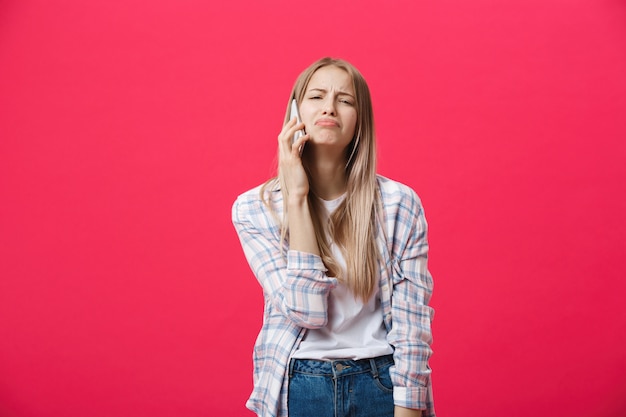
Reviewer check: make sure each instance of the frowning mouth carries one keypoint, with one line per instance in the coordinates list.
(327, 122)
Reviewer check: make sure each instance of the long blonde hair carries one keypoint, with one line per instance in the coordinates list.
(352, 225)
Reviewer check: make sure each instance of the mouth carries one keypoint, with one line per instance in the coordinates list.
(327, 123)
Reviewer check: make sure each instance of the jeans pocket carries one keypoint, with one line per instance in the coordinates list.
(383, 381)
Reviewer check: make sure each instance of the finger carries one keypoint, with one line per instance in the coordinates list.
(296, 147)
(284, 133)
(283, 137)
(290, 123)
(287, 133)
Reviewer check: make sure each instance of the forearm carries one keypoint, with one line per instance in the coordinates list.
(301, 232)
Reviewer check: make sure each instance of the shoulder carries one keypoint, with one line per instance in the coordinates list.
(258, 201)
(394, 193)
(403, 217)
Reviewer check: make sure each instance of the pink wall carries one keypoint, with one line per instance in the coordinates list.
(127, 128)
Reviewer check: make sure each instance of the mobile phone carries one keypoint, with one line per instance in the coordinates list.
(296, 114)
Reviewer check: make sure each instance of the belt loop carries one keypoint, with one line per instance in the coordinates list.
(374, 368)
(291, 364)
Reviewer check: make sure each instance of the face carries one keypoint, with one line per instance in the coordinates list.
(328, 108)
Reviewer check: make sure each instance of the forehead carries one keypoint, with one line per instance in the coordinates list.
(331, 78)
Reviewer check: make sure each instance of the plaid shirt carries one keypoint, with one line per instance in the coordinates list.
(296, 288)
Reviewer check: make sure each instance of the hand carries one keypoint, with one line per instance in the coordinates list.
(406, 412)
(301, 231)
(290, 160)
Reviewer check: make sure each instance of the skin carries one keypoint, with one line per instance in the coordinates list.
(329, 117)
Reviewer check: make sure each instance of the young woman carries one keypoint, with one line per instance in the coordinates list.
(341, 254)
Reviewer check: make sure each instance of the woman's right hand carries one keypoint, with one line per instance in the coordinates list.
(301, 231)
(290, 160)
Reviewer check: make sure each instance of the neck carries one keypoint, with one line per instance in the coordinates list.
(328, 174)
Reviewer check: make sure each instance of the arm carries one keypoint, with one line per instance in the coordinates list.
(294, 282)
(301, 232)
(411, 316)
(297, 285)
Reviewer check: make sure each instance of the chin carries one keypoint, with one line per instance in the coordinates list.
(326, 138)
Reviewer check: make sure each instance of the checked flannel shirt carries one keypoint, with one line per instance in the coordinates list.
(296, 288)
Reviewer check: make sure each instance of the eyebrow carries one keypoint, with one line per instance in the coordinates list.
(325, 91)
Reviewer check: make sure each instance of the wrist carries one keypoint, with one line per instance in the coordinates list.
(297, 201)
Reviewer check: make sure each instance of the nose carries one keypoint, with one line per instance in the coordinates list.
(329, 106)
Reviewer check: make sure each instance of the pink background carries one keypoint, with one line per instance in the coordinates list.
(127, 128)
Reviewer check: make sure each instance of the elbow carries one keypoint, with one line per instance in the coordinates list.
(307, 309)
(315, 324)
(308, 320)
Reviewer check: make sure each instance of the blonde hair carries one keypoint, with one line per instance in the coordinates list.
(352, 225)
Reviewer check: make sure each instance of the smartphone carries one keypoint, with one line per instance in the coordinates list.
(296, 114)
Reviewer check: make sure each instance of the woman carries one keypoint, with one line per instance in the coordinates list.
(341, 254)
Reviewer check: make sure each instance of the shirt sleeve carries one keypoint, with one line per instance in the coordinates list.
(411, 333)
(294, 282)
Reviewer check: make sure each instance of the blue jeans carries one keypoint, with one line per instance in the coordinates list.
(340, 388)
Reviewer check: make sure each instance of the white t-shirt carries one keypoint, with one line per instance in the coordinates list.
(355, 329)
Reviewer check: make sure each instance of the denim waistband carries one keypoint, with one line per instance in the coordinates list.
(338, 367)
